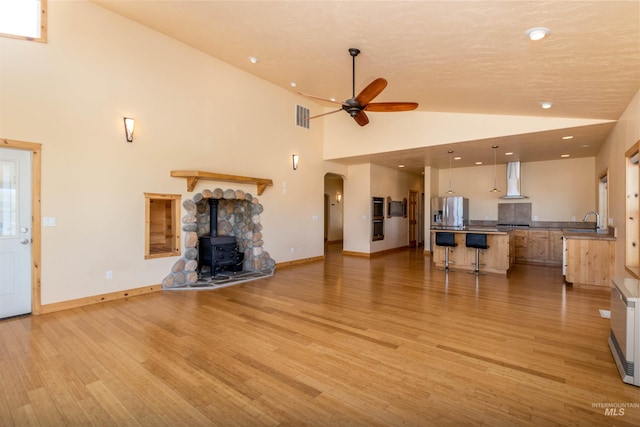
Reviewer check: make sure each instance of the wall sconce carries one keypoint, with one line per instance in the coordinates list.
(295, 161)
(338, 197)
(128, 128)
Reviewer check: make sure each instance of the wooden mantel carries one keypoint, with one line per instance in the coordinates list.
(194, 176)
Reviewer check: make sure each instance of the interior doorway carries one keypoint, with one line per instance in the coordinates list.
(333, 208)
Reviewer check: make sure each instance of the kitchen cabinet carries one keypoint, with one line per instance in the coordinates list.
(538, 247)
(590, 261)
(555, 246)
(521, 239)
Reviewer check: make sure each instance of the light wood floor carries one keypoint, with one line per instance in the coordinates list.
(350, 341)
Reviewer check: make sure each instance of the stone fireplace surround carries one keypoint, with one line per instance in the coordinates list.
(238, 215)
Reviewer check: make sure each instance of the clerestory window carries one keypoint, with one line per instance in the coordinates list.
(24, 19)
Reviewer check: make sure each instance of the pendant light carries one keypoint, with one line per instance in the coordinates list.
(450, 191)
(495, 166)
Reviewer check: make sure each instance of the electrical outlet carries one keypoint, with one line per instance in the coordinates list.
(109, 275)
(293, 250)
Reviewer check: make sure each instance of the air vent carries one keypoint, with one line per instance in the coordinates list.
(302, 116)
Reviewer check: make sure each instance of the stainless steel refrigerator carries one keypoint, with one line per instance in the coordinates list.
(449, 212)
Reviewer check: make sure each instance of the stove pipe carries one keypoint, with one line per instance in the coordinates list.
(213, 217)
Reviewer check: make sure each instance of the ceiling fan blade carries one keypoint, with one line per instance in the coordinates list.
(391, 106)
(371, 91)
(325, 114)
(361, 118)
(306, 95)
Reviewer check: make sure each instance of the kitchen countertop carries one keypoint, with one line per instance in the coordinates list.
(589, 235)
(471, 229)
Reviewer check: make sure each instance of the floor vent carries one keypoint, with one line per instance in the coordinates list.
(302, 116)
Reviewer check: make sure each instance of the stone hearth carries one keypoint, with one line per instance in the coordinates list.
(238, 215)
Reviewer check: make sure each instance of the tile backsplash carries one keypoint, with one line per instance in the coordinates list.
(514, 213)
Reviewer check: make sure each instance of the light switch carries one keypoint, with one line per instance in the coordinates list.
(49, 221)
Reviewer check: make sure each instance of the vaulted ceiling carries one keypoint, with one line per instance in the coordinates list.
(449, 56)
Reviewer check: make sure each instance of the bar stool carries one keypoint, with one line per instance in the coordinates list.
(448, 240)
(477, 242)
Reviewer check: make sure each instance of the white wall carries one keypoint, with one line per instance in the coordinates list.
(192, 112)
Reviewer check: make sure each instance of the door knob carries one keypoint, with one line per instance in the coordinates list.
(24, 230)
(24, 241)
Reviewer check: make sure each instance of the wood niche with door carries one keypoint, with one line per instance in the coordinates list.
(162, 235)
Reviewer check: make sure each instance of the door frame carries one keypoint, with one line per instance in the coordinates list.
(36, 164)
(412, 213)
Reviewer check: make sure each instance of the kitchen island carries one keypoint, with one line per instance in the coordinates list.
(497, 259)
(589, 257)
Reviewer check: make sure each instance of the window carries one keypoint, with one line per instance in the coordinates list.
(603, 199)
(24, 19)
(632, 252)
(162, 238)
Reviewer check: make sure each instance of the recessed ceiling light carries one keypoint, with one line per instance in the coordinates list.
(564, 155)
(508, 153)
(537, 33)
(584, 145)
(457, 158)
(568, 137)
(546, 105)
(400, 166)
(332, 99)
(293, 84)
(253, 59)
(478, 163)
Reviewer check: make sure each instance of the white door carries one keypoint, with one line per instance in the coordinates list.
(15, 232)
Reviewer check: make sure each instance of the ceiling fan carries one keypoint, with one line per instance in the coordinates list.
(357, 105)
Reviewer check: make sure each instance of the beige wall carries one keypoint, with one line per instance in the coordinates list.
(394, 183)
(558, 190)
(357, 209)
(416, 129)
(611, 158)
(192, 112)
(363, 182)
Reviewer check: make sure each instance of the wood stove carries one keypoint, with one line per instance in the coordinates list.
(218, 252)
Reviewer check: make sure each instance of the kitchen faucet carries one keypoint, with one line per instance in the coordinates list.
(597, 218)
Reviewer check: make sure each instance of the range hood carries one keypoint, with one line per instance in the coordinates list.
(513, 182)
